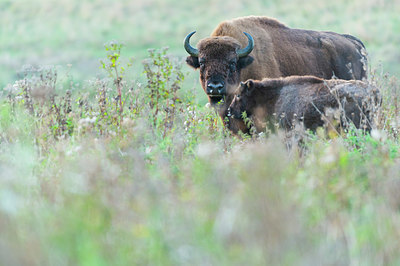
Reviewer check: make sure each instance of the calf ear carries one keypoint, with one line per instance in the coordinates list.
(245, 61)
(248, 86)
(193, 61)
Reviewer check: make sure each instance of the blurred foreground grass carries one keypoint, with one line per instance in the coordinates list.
(157, 180)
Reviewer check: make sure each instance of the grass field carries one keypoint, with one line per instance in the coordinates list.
(99, 168)
(44, 32)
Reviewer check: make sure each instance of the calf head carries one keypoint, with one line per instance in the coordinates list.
(220, 61)
(243, 101)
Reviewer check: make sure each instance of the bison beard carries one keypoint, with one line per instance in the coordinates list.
(260, 47)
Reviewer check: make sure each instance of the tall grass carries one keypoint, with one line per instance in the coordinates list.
(116, 172)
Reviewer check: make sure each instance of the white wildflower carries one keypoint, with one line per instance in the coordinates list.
(378, 135)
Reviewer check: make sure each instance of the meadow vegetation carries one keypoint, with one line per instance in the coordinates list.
(129, 168)
(45, 32)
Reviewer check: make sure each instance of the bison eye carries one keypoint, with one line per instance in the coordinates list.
(232, 66)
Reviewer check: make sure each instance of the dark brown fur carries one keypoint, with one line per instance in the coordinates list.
(303, 99)
(278, 51)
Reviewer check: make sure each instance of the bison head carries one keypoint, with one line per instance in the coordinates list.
(240, 104)
(220, 60)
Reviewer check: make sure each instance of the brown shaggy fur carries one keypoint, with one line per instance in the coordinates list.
(303, 99)
(278, 51)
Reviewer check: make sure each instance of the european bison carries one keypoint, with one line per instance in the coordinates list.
(301, 99)
(270, 49)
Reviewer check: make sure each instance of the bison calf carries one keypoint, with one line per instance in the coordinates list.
(300, 99)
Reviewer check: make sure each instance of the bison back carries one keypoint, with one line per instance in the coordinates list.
(280, 51)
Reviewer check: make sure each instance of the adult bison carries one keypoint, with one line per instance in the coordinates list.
(301, 99)
(258, 47)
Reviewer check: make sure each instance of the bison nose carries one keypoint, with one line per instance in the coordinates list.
(229, 114)
(215, 88)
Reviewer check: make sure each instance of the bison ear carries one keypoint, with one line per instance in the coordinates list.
(248, 86)
(193, 61)
(245, 61)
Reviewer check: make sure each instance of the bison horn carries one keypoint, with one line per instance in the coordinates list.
(247, 50)
(191, 50)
